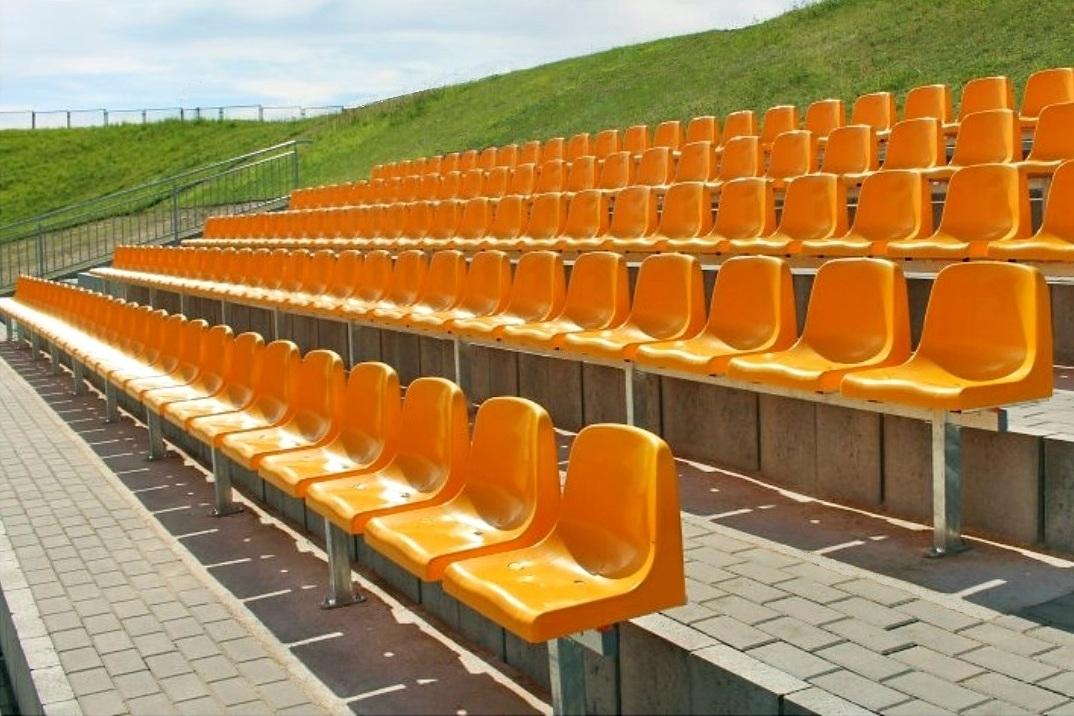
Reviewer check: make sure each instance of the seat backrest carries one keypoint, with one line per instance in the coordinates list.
(578, 147)
(408, 277)
(431, 165)
(696, 162)
(703, 129)
(375, 274)
(510, 216)
(582, 174)
(1059, 204)
(668, 134)
(433, 440)
(274, 373)
(1053, 139)
(348, 273)
(369, 413)
(777, 120)
(984, 93)
(616, 171)
(445, 219)
(825, 115)
(321, 268)
(858, 311)
(467, 160)
(875, 108)
(539, 286)
(553, 148)
(548, 213)
(598, 292)
(742, 157)
(419, 216)
(623, 479)
(742, 123)
(793, 153)
(191, 335)
(316, 391)
(444, 280)
(471, 184)
(475, 219)
(1045, 87)
(450, 163)
(929, 101)
(488, 283)
(752, 305)
(851, 149)
(486, 159)
(893, 205)
(815, 207)
(241, 358)
(916, 144)
(634, 213)
(986, 202)
(552, 177)
(747, 209)
(605, 143)
(587, 216)
(991, 135)
(496, 182)
(669, 296)
(512, 471)
(656, 167)
(986, 320)
(523, 179)
(450, 183)
(687, 211)
(529, 153)
(507, 156)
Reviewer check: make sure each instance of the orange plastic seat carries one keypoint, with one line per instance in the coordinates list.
(815, 208)
(697, 163)
(367, 417)
(634, 219)
(636, 139)
(741, 157)
(1043, 88)
(496, 182)
(578, 146)
(668, 134)
(876, 109)
(177, 363)
(523, 180)
(742, 123)
(554, 148)
(485, 291)
(442, 225)
(985, 203)
(929, 101)
(857, 318)
(372, 281)
(507, 156)
(852, 152)
(824, 116)
(487, 159)
(892, 206)
(606, 143)
(916, 144)
(986, 342)
(440, 290)
(425, 470)
(241, 357)
(986, 137)
(687, 214)
(985, 93)
(1054, 241)
(616, 172)
(208, 379)
(582, 175)
(528, 153)
(467, 160)
(314, 392)
(509, 497)
(472, 228)
(449, 163)
(449, 186)
(508, 221)
(752, 311)
(656, 167)
(537, 294)
(747, 210)
(794, 154)
(703, 129)
(777, 120)
(580, 578)
(403, 287)
(553, 176)
(1053, 142)
(586, 223)
(668, 304)
(598, 297)
(548, 212)
(471, 184)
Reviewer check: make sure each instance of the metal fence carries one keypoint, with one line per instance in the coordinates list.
(68, 118)
(82, 235)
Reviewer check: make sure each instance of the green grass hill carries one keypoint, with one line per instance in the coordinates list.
(834, 48)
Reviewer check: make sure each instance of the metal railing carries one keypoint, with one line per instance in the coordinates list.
(62, 242)
(99, 117)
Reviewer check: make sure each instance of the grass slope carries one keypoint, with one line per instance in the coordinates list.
(835, 48)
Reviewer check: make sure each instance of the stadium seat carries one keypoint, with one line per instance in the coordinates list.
(523, 180)
(1043, 88)
(656, 167)
(636, 140)
(985, 203)
(441, 289)
(508, 220)
(777, 120)
(366, 435)
(508, 498)
(747, 210)
(548, 213)
(634, 219)
(876, 109)
(668, 134)
(1054, 241)
(986, 137)
(686, 215)
(449, 163)
(487, 159)
(916, 144)
(496, 182)
(443, 224)
(668, 304)
(207, 376)
(315, 390)
(793, 154)
(238, 389)
(581, 176)
(823, 116)
(703, 129)
(430, 187)
(577, 579)
(986, 342)
(426, 468)
(815, 207)
(598, 297)
(1053, 141)
(984, 93)
(471, 184)
(892, 206)
(402, 290)
(176, 363)
(742, 123)
(537, 294)
(741, 157)
(857, 318)
(552, 178)
(553, 149)
(606, 143)
(587, 219)
(851, 152)
(450, 183)
(528, 153)
(697, 162)
(473, 226)
(616, 172)
(752, 311)
(484, 293)
(578, 147)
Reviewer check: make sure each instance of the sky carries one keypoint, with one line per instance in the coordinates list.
(118, 54)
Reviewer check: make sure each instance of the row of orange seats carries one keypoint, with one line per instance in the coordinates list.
(404, 472)
(876, 109)
(986, 339)
(852, 151)
(986, 213)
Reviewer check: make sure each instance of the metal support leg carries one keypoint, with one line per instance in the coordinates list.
(225, 313)
(352, 357)
(566, 670)
(152, 296)
(156, 434)
(35, 345)
(11, 323)
(341, 591)
(184, 304)
(111, 402)
(54, 358)
(223, 504)
(628, 391)
(78, 386)
(946, 486)
(277, 324)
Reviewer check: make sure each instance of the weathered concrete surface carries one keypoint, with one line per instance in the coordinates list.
(710, 423)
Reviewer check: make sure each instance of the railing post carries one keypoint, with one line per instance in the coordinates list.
(220, 113)
(68, 119)
(294, 166)
(175, 214)
(104, 112)
(182, 114)
(260, 113)
(143, 117)
(33, 119)
(40, 250)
